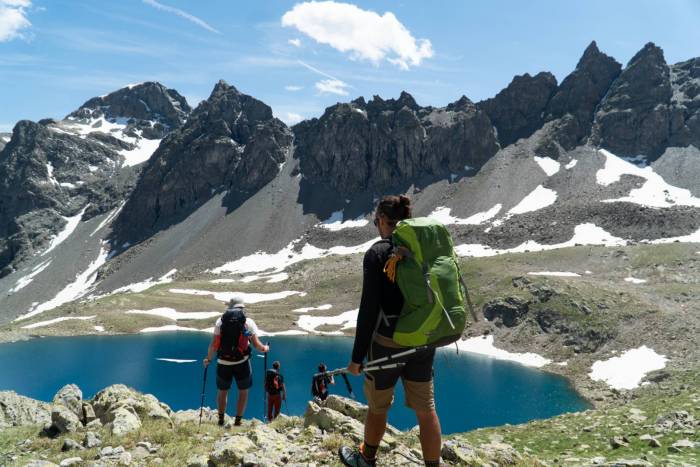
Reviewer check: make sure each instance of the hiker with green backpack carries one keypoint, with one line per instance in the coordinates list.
(413, 300)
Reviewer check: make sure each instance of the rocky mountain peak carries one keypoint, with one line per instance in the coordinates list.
(460, 104)
(144, 102)
(231, 142)
(517, 111)
(649, 53)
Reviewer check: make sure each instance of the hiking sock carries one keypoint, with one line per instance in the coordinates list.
(432, 463)
(369, 452)
(221, 419)
(237, 422)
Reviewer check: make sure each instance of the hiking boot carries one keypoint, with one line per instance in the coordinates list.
(237, 422)
(221, 419)
(353, 458)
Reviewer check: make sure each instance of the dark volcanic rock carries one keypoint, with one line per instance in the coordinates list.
(230, 142)
(149, 107)
(635, 117)
(46, 175)
(581, 91)
(518, 110)
(371, 147)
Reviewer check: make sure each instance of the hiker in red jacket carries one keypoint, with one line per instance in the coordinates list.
(276, 391)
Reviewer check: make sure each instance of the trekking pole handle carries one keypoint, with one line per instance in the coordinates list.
(397, 355)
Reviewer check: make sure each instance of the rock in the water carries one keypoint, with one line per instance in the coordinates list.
(229, 451)
(16, 410)
(64, 420)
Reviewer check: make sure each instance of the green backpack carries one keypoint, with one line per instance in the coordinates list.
(424, 266)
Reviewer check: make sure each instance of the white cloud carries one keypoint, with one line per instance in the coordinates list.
(292, 118)
(294, 42)
(363, 33)
(182, 14)
(332, 86)
(293, 88)
(13, 18)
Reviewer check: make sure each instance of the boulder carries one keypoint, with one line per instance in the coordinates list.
(71, 397)
(88, 413)
(330, 420)
(618, 442)
(231, 450)
(124, 421)
(119, 396)
(92, 440)
(71, 461)
(509, 311)
(69, 445)
(16, 410)
(39, 463)
(198, 460)
(64, 419)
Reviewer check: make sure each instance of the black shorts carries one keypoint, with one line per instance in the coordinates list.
(226, 373)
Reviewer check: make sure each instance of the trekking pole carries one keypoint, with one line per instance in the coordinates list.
(201, 405)
(264, 380)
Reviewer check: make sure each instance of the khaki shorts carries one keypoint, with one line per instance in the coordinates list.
(416, 376)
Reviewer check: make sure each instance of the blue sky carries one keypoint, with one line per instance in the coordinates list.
(302, 57)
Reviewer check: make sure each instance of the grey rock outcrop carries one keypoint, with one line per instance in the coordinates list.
(231, 450)
(518, 110)
(372, 146)
(685, 84)
(16, 410)
(113, 398)
(64, 420)
(231, 142)
(507, 312)
(71, 397)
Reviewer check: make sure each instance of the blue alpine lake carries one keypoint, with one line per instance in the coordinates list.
(471, 391)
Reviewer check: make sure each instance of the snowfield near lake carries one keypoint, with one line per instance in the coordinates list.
(554, 274)
(627, 370)
(442, 214)
(655, 192)
(24, 281)
(584, 234)
(539, 198)
(147, 284)
(347, 320)
(248, 298)
(327, 306)
(175, 315)
(171, 327)
(549, 165)
(41, 324)
(483, 345)
(634, 280)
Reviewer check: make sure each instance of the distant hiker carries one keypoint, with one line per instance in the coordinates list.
(276, 391)
(233, 334)
(380, 307)
(320, 383)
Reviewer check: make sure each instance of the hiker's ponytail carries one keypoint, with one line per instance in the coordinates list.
(395, 208)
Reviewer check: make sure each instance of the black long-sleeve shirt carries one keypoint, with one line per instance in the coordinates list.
(378, 293)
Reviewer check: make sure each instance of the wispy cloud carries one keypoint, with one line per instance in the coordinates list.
(291, 118)
(13, 19)
(363, 33)
(293, 88)
(332, 85)
(181, 13)
(294, 42)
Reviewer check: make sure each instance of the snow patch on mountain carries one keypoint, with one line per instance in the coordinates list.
(49, 322)
(327, 306)
(584, 234)
(442, 214)
(655, 192)
(336, 223)
(71, 225)
(147, 284)
(548, 165)
(110, 217)
(634, 280)
(539, 198)
(571, 164)
(24, 281)
(278, 262)
(248, 298)
(627, 370)
(82, 284)
(143, 150)
(554, 274)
